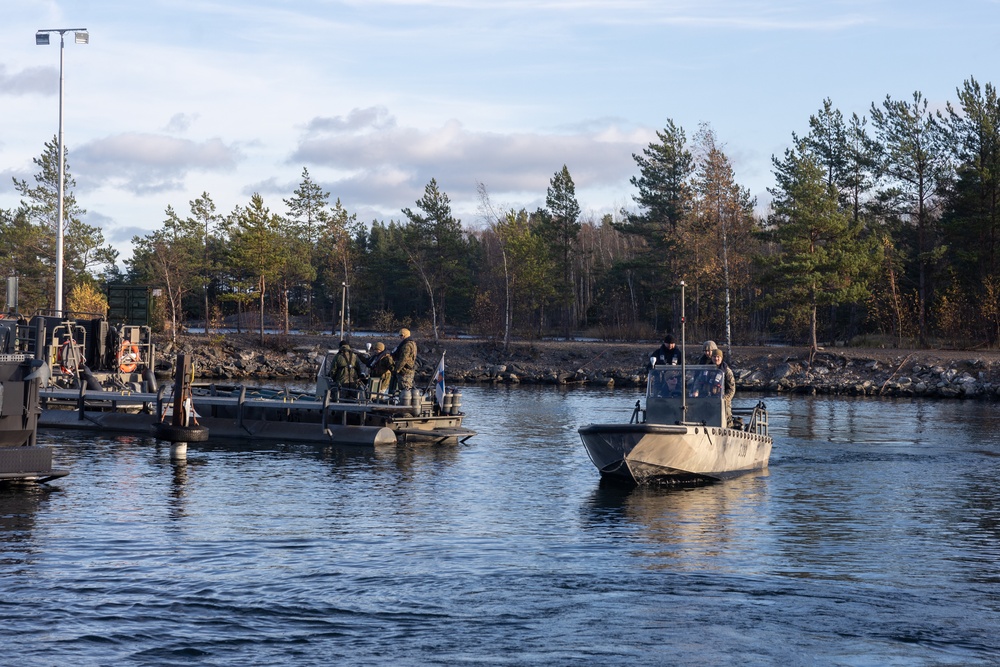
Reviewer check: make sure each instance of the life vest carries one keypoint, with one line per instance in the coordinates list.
(345, 367)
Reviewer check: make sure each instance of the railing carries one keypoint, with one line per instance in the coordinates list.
(758, 418)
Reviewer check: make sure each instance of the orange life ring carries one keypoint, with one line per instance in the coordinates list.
(128, 357)
(70, 357)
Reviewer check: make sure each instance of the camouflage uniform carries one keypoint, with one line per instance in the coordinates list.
(380, 369)
(405, 360)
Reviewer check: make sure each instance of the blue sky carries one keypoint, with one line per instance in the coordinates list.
(376, 97)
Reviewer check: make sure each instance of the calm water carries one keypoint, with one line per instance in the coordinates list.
(874, 539)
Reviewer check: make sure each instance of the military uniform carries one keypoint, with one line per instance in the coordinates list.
(404, 359)
(346, 370)
(380, 369)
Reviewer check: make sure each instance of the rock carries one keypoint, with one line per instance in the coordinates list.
(782, 372)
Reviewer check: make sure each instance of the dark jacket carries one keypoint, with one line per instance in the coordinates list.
(667, 357)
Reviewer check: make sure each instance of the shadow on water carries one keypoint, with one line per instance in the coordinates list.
(19, 505)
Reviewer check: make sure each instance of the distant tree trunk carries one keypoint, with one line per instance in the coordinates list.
(262, 310)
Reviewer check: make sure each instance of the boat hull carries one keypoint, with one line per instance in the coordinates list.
(20, 459)
(649, 453)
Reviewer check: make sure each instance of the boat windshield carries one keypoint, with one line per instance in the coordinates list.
(664, 382)
(664, 394)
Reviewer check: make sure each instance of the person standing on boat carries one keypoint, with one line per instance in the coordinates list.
(380, 369)
(667, 354)
(404, 358)
(725, 384)
(707, 352)
(346, 370)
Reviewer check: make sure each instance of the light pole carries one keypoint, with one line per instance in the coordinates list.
(42, 39)
(343, 302)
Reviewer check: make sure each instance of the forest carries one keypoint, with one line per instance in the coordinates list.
(882, 229)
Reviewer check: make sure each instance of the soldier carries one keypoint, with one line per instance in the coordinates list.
(380, 369)
(726, 385)
(346, 369)
(404, 359)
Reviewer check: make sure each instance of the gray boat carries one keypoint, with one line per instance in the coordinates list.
(679, 436)
(120, 394)
(683, 435)
(21, 374)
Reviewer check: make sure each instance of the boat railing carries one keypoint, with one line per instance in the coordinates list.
(757, 422)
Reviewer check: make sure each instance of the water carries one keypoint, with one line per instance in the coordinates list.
(874, 539)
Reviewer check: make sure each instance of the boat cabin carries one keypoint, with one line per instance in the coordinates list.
(668, 386)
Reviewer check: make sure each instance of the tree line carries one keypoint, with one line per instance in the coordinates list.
(883, 226)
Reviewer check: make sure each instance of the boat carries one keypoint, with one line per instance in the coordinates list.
(21, 374)
(683, 434)
(680, 438)
(121, 395)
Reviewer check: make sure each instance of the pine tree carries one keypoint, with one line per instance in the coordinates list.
(663, 199)
(560, 227)
(914, 158)
(256, 247)
(435, 246)
(84, 250)
(308, 208)
(821, 259)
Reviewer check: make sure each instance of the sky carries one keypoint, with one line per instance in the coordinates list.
(375, 98)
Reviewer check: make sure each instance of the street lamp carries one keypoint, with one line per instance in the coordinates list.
(42, 39)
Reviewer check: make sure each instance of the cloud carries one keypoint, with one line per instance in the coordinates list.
(180, 123)
(29, 81)
(149, 163)
(383, 162)
(375, 118)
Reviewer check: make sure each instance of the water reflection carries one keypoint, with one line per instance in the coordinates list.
(19, 504)
(686, 528)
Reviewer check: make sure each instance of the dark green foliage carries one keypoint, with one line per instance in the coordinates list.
(436, 248)
(888, 224)
(821, 259)
(663, 199)
(84, 250)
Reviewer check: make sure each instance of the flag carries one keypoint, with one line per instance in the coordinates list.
(439, 383)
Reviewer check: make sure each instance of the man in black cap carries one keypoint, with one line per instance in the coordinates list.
(667, 354)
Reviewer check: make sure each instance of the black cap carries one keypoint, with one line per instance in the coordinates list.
(668, 339)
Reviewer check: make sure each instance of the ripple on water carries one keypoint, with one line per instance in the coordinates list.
(871, 540)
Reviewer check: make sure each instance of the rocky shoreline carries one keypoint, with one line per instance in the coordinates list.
(240, 358)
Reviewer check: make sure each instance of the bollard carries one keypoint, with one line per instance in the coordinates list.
(456, 403)
(448, 402)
